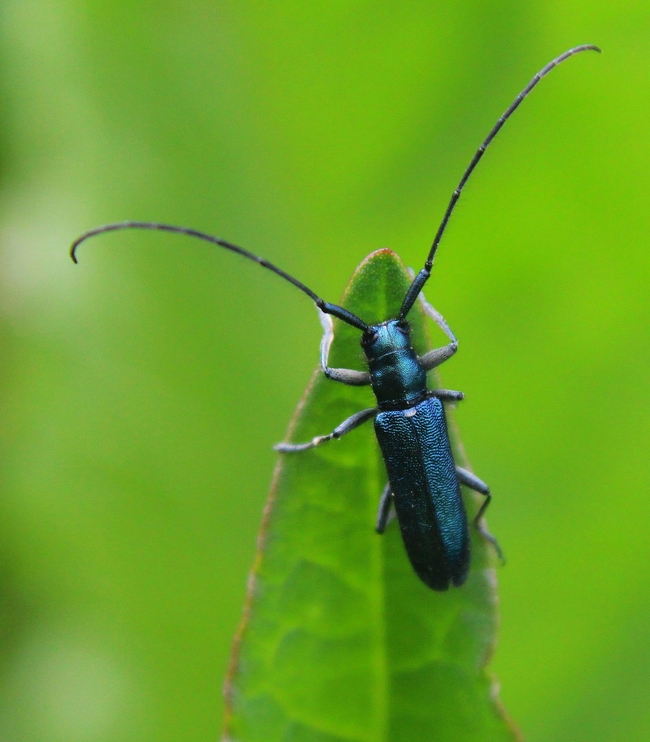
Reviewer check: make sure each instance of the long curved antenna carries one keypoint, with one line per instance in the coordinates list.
(423, 275)
(335, 310)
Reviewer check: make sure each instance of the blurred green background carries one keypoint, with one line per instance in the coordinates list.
(142, 390)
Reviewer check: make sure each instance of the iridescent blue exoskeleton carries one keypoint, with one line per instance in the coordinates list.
(423, 481)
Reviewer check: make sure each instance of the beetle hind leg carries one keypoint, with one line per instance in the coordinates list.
(470, 480)
(480, 527)
(478, 485)
(386, 511)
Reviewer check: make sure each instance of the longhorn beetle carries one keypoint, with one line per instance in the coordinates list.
(423, 480)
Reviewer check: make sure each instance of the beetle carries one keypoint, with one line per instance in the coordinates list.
(423, 480)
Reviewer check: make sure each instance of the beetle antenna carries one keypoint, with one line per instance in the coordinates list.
(423, 275)
(333, 309)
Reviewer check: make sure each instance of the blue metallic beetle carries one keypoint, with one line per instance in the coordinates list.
(423, 480)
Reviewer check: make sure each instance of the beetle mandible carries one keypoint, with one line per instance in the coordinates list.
(423, 480)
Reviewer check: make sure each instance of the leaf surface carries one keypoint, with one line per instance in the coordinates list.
(340, 640)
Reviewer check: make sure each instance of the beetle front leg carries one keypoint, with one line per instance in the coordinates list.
(439, 355)
(435, 357)
(386, 511)
(478, 485)
(344, 375)
(346, 426)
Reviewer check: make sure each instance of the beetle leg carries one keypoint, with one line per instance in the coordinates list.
(435, 315)
(346, 426)
(480, 527)
(386, 511)
(474, 483)
(439, 355)
(478, 485)
(344, 375)
(446, 395)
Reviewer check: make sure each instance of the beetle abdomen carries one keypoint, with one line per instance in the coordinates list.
(421, 471)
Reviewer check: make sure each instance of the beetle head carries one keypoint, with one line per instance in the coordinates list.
(386, 337)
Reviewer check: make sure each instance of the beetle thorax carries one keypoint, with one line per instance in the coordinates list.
(397, 377)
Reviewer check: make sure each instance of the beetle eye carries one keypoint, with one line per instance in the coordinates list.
(368, 338)
(404, 327)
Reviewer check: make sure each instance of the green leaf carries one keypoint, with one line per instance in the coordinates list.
(340, 640)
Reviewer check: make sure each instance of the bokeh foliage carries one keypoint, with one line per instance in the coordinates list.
(141, 390)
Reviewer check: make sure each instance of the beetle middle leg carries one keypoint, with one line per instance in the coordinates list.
(346, 426)
(478, 485)
(446, 395)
